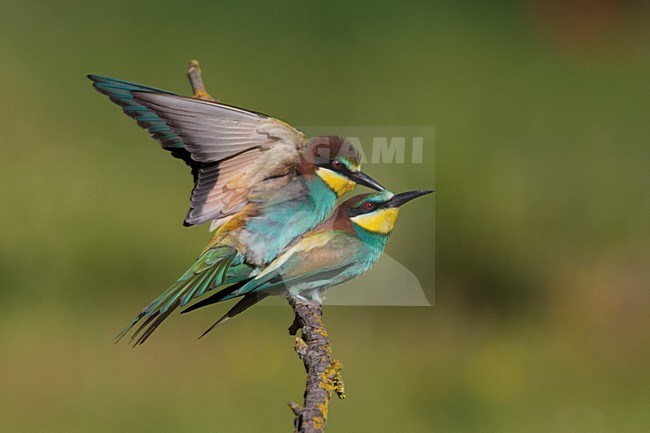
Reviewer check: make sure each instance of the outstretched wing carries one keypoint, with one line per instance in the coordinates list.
(229, 149)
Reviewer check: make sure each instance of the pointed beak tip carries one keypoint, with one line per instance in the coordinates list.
(363, 179)
(405, 197)
(418, 193)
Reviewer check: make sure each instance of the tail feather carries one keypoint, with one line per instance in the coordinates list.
(157, 320)
(246, 302)
(208, 272)
(142, 327)
(221, 295)
(203, 282)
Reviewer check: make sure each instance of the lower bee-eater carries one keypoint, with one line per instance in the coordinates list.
(343, 247)
(260, 182)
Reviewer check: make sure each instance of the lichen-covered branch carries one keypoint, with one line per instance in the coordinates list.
(313, 345)
(323, 370)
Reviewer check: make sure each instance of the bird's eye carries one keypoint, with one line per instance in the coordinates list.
(369, 205)
(337, 165)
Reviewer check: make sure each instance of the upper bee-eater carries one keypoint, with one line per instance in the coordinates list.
(258, 180)
(343, 247)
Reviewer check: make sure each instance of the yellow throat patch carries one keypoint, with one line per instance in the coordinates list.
(381, 221)
(337, 182)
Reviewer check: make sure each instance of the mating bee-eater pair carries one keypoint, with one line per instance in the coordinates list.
(267, 191)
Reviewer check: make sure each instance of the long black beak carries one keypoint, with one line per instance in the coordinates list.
(363, 179)
(401, 198)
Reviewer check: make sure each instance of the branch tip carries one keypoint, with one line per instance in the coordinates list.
(295, 408)
(198, 88)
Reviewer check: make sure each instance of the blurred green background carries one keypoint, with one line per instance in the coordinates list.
(541, 320)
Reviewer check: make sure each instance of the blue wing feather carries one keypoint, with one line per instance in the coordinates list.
(121, 92)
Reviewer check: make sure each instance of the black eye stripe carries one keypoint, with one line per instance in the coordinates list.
(342, 169)
(361, 209)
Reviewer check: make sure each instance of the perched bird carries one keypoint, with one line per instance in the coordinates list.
(343, 247)
(260, 182)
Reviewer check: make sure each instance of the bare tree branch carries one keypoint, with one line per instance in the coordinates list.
(313, 345)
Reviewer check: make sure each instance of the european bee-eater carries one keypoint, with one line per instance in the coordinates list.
(258, 180)
(343, 247)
